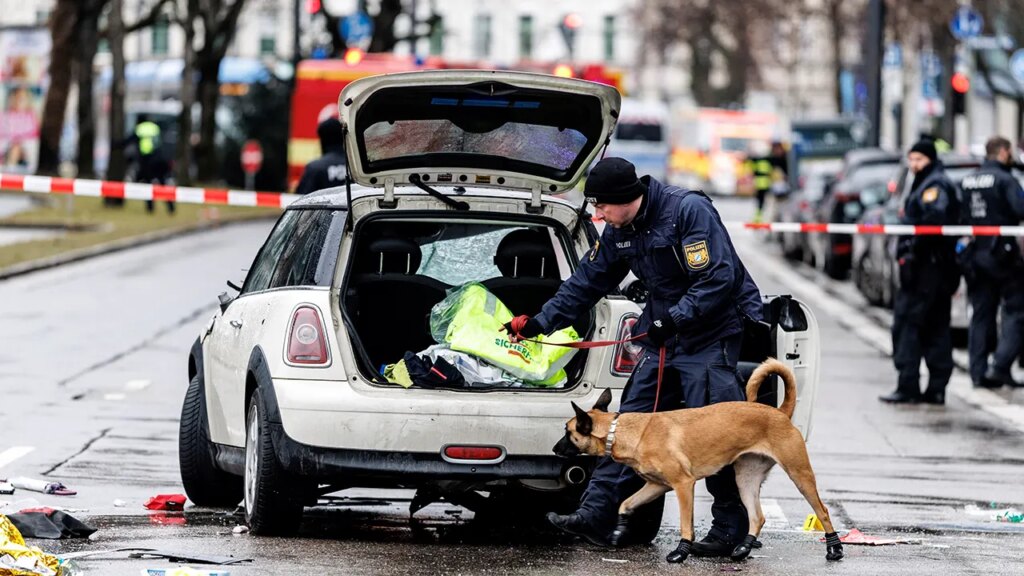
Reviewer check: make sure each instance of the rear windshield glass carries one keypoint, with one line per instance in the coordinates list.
(542, 145)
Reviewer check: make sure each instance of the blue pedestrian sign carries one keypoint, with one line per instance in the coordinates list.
(1017, 65)
(356, 28)
(966, 23)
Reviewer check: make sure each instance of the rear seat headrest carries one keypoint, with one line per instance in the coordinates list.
(392, 255)
(526, 254)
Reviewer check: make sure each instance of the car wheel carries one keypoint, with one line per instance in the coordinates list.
(273, 501)
(204, 484)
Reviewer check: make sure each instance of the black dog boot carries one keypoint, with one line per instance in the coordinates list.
(620, 535)
(834, 547)
(681, 552)
(742, 550)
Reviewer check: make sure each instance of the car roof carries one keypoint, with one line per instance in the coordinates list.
(869, 156)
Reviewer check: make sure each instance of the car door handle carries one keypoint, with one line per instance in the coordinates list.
(236, 323)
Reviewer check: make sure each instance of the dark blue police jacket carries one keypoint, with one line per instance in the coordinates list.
(678, 247)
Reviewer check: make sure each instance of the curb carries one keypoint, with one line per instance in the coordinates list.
(116, 246)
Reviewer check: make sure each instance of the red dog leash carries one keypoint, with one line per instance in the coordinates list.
(519, 322)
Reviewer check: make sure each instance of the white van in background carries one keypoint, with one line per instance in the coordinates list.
(641, 136)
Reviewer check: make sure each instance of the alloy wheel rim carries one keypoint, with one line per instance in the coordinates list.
(251, 459)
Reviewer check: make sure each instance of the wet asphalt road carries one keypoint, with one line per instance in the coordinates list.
(92, 372)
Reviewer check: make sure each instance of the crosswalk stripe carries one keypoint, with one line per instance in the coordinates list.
(774, 517)
(12, 454)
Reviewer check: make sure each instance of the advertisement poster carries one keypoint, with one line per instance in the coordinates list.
(24, 59)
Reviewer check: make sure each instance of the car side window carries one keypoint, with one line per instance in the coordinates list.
(297, 265)
(266, 261)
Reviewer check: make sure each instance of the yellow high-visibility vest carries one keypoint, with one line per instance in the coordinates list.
(148, 133)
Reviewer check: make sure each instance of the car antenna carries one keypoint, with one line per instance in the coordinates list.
(418, 182)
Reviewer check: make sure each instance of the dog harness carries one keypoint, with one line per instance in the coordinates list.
(611, 435)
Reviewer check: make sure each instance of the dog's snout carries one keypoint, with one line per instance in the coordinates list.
(566, 448)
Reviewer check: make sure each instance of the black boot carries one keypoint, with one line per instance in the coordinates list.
(934, 397)
(742, 550)
(712, 547)
(575, 524)
(620, 535)
(900, 397)
(680, 553)
(1003, 378)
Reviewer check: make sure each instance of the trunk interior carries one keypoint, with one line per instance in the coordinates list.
(401, 268)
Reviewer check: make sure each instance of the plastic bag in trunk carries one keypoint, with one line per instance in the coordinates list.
(470, 320)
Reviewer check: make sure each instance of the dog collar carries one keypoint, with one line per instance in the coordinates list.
(611, 435)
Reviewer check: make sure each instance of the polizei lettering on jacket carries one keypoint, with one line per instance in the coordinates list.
(975, 181)
(514, 349)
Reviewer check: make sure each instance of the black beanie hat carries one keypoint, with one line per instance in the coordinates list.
(613, 181)
(332, 137)
(926, 147)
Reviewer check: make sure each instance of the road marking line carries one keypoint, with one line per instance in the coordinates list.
(136, 385)
(12, 454)
(880, 338)
(114, 396)
(774, 517)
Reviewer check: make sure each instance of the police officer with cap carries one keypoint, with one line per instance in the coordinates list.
(330, 169)
(929, 276)
(993, 266)
(700, 298)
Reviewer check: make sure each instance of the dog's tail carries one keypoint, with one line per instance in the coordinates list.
(766, 369)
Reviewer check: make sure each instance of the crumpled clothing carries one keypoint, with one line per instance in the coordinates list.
(17, 559)
(175, 502)
(49, 523)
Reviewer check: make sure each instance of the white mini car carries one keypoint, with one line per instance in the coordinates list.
(453, 175)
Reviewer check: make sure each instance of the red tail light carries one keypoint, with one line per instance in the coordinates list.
(472, 452)
(626, 354)
(307, 342)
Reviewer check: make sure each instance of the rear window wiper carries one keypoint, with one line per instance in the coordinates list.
(457, 204)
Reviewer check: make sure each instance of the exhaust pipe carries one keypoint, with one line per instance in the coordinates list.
(575, 475)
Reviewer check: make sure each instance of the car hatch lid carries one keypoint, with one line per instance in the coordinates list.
(481, 128)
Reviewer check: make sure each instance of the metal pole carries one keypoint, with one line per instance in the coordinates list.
(873, 67)
(296, 44)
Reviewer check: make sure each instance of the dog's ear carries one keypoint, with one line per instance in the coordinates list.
(584, 425)
(604, 401)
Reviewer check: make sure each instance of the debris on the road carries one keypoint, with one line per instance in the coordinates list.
(118, 503)
(43, 486)
(6, 487)
(730, 568)
(185, 557)
(182, 571)
(995, 514)
(49, 523)
(174, 502)
(240, 530)
(17, 559)
(857, 537)
(614, 560)
(813, 524)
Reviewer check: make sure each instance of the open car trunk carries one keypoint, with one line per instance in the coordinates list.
(402, 266)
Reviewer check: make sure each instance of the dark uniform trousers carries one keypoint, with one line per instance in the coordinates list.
(985, 294)
(704, 377)
(921, 328)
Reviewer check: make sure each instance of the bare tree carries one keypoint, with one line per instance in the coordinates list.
(384, 37)
(63, 22)
(86, 46)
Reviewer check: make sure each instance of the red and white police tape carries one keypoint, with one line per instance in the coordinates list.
(223, 196)
(136, 191)
(888, 229)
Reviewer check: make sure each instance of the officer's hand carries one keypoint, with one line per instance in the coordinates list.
(661, 330)
(523, 327)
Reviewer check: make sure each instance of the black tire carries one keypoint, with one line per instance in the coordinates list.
(273, 500)
(205, 484)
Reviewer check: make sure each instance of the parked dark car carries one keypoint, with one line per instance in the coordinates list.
(800, 206)
(841, 204)
(875, 271)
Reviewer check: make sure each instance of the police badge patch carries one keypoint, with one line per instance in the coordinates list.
(697, 255)
(593, 251)
(930, 195)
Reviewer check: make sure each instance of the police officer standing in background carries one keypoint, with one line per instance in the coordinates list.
(329, 169)
(700, 297)
(993, 266)
(929, 276)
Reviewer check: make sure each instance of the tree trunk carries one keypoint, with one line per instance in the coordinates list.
(209, 95)
(838, 26)
(183, 151)
(115, 39)
(384, 38)
(88, 44)
(63, 21)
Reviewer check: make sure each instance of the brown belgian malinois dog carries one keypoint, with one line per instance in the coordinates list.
(672, 450)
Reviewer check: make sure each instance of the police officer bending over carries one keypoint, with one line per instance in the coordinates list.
(993, 266)
(929, 276)
(700, 297)
(330, 169)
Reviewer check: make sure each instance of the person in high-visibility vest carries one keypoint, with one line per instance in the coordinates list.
(151, 166)
(766, 170)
